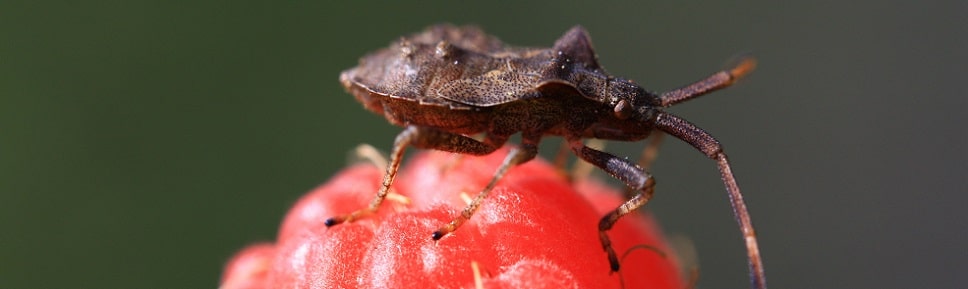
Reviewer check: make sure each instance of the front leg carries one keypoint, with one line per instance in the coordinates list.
(630, 174)
(421, 137)
(709, 146)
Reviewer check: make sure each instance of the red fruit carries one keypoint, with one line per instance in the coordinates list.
(535, 230)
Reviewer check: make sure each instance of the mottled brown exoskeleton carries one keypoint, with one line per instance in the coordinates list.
(448, 83)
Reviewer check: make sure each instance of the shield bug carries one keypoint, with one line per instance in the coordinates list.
(447, 83)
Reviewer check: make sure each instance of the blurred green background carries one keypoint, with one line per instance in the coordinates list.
(142, 143)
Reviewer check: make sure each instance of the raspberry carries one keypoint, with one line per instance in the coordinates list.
(536, 230)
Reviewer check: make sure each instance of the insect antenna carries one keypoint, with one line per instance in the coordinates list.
(712, 83)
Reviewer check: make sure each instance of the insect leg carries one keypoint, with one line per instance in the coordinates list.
(712, 83)
(627, 172)
(420, 137)
(368, 153)
(705, 143)
(526, 152)
(651, 151)
(561, 157)
(579, 170)
(649, 154)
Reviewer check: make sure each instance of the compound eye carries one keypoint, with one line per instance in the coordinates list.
(623, 109)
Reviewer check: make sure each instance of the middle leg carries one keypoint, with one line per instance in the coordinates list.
(421, 137)
(527, 151)
(627, 172)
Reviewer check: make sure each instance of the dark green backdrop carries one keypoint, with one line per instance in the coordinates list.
(143, 142)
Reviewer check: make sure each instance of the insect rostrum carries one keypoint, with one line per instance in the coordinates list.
(449, 82)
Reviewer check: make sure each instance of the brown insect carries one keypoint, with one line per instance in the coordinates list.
(447, 83)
